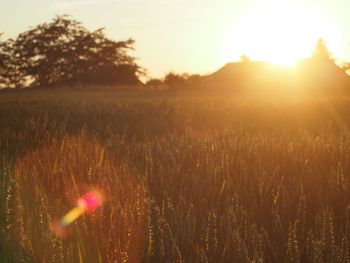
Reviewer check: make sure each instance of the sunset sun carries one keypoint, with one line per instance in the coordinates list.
(279, 34)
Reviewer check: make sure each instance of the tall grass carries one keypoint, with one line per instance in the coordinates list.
(49, 180)
(187, 180)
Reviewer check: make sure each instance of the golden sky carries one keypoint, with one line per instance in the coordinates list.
(199, 36)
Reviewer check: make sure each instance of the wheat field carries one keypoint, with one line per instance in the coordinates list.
(189, 178)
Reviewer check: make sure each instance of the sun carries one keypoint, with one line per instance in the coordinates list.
(280, 34)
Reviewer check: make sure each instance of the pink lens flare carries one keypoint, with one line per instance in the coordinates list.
(85, 204)
(90, 201)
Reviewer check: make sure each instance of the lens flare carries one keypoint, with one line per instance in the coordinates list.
(85, 204)
(90, 201)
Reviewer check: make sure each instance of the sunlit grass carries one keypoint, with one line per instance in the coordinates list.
(48, 182)
(194, 180)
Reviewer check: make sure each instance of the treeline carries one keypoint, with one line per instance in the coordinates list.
(64, 52)
(174, 80)
(319, 71)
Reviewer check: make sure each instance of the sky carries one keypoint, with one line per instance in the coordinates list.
(198, 36)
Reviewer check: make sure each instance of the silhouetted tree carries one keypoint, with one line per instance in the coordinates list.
(155, 84)
(2, 64)
(11, 62)
(174, 80)
(195, 81)
(322, 56)
(322, 71)
(245, 58)
(123, 74)
(321, 51)
(63, 51)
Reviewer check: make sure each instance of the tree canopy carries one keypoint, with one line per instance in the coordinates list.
(63, 51)
(321, 50)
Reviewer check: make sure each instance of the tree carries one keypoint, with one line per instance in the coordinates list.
(155, 84)
(245, 59)
(63, 51)
(2, 64)
(322, 71)
(321, 51)
(10, 66)
(174, 80)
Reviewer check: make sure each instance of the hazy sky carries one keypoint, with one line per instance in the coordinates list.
(198, 36)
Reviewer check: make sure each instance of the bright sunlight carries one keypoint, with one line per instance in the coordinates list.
(280, 34)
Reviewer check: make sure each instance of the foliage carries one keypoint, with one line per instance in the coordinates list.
(174, 80)
(124, 74)
(155, 84)
(11, 74)
(224, 179)
(245, 58)
(321, 51)
(2, 63)
(63, 51)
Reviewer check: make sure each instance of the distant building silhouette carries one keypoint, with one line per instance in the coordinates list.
(319, 72)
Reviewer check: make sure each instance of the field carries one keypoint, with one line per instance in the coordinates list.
(188, 177)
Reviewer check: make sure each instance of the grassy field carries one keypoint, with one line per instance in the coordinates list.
(189, 176)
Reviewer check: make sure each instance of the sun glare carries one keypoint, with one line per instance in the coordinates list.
(280, 34)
